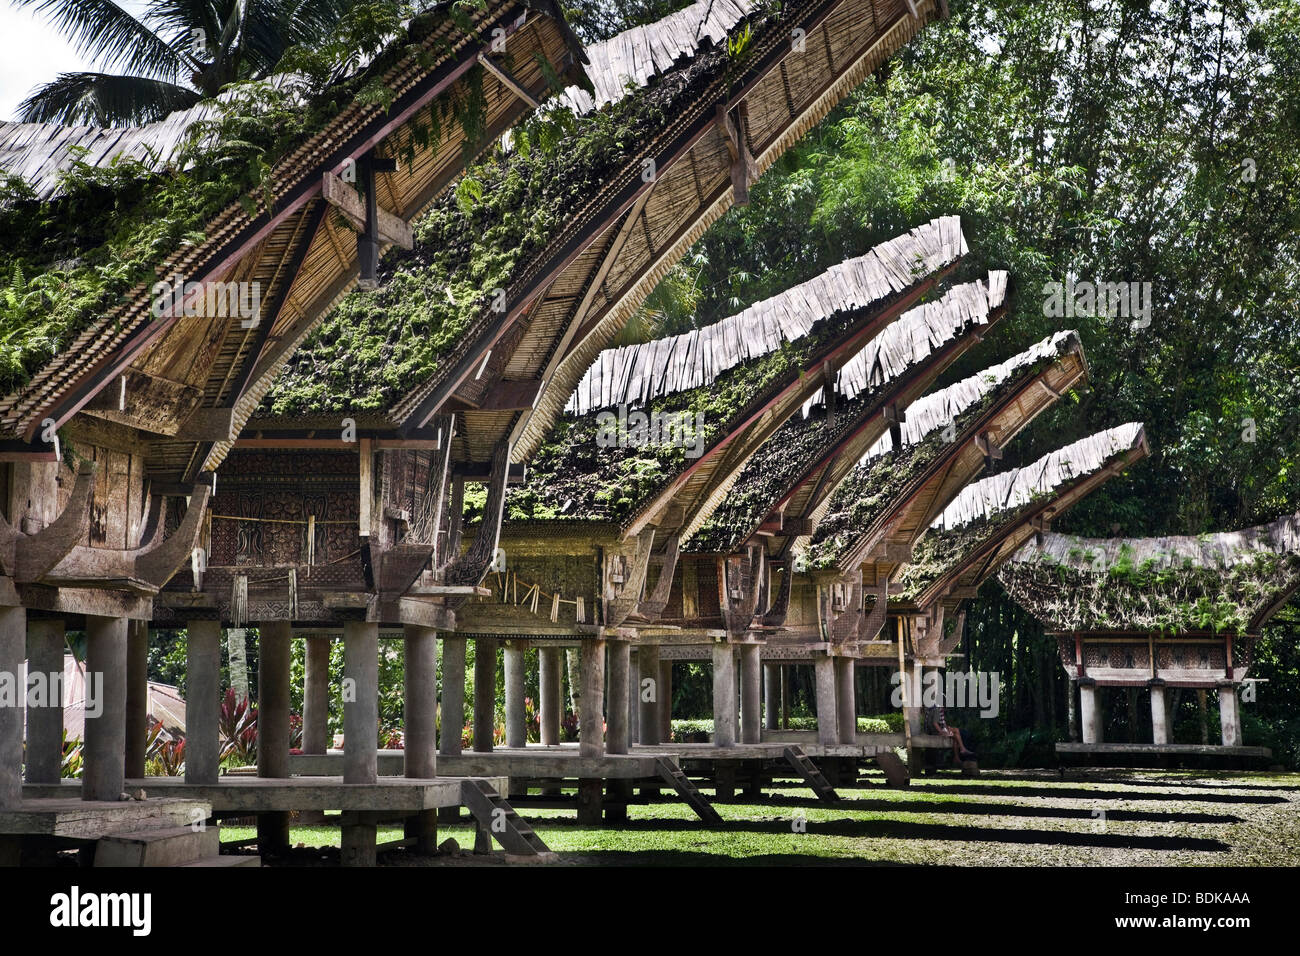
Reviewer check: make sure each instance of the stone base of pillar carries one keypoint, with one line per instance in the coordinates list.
(724, 777)
(357, 843)
(591, 799)
(273, 833)
(423, 829)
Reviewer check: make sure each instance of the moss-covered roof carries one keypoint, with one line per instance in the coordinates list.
(473, 246)
(883, 474)
(909, 343)
(1229, 581)
(585, 470)
(987, 507)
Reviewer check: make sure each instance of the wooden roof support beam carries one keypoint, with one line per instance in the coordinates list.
(507, 80)
(389, 228)
(743, 169)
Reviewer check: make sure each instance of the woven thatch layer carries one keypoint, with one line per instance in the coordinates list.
(636, 374)
(1226, 581)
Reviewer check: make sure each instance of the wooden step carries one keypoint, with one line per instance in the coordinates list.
(797, 759)
(674, 777)
(170, 846)
(496, 818)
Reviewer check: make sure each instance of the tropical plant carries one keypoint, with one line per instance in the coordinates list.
(173, 54)
(164, 752)
(238, 729)
(71, 756)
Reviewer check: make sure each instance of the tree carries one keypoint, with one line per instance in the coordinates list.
(173, 56)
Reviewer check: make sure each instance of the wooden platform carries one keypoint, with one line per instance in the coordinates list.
(769, 750)
(64, 814)
(243, 794)
(534, 762)
(1186, 750)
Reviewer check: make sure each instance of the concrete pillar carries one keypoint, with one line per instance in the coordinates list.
(772, 696)
(202, 701)
(634, 695)
(273, 698)
(828, 732)
(591, 740)
(420, 702)
(453, 694)
(1229, 714)
(316, 695)
(137, 696)
(620, 653)
(45, 724)
(13, 638)
(665, 706)
(751, 694)
(516, 722)
(724, 695)
(846, 700)
(1161, 725)
(650, 721)
(1089, 713)
(103, 775)
(361, 713)
(485, 693)
(550, 699)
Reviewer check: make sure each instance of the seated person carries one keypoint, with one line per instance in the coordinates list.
(936, 723)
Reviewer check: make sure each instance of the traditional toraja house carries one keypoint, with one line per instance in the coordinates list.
(137, 385)
(867, 527)
(341, 504)
(1169, 614)
(979, 530)
(591, 539)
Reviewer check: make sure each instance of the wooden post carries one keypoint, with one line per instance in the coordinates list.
(453, 694)
(772, 696)
(203, 701)
(485, 693)
(273, 726)
(550, 697)
(516, 720)
(620, 653)
(316, 695)
(649, 719)
(724, 695)
(590, 722)
(137, 696)
(360, 702)
(104, 770)
(13, 634)
(45, 643)
(420, 703)
(827, 713)
(846, 702)
(665, 704)
(751, 693)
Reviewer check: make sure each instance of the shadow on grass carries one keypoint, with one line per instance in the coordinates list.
(1084, 793)
(896, 829)
(857, 804)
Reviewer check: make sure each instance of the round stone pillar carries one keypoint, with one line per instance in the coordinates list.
(591, 731)
(273, 698)
(549, 666)
(772, 696)
(420, 702)
(485, 693)
(620, 653)
(751, 694)
(846, 700)
(103, 774)
(360, 702)
(202, 701)
(453, 695)
(828, 733)
(45, 644)
(516, 719)
(651, 697)
(724, 695)
(137, 697)
(316, 695)
(13, 636)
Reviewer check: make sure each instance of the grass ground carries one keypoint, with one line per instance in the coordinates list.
(1003, 818)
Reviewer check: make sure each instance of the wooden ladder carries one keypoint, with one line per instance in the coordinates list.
(673, 776)
(496, 817)
(797, 759)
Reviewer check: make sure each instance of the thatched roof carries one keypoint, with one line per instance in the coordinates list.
(301, 259)
(573, 476)
(904, 358)
(885, 477)
(984, 524)
(574, 239)
(1230, 581)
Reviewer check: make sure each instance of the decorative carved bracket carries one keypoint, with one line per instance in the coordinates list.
(625, 579)
(469, 568)
(652, 607)
(780, 605)
(29, 557)
(741, 576)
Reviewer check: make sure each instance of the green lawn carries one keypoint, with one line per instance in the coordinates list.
(1009, 818)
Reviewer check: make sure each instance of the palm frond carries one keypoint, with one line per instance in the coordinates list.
(103, 99)
(107, 34)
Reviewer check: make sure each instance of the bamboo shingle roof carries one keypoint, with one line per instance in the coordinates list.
(989, 520)
(895, 493)
(740, 406)
(190, 382)
(802, 461)
(1232, 580)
